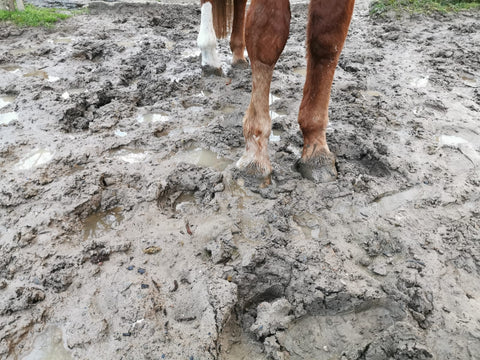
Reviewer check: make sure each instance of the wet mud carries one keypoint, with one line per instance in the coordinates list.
(127, 233)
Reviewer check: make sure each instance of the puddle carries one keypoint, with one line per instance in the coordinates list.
(169, 45)
(8, 117)
(74, 91)
(191, 105)
(53, 78)
(371, 93)
(22, 51)
(465, 147)
(36, 158)
(272, 98)
(451, 141)
(126, 43)
(153, 117)
(191, 52)
(184, 201)
(64, 40)
(274, 115)
(228, 109)
(175, 133)
(10, 68)
(206, 158)
(468, 79)
(101, 222)
(5, 100)
(302, 70)
(42, 74)
(275, 135)
(120, 133)
(130, 155)
(49, 346)
(420, 82)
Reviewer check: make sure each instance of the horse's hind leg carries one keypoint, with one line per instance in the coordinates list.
(266, 33)
(326, 32)
(237, 39)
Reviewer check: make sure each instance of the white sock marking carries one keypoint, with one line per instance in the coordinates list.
(207, 40)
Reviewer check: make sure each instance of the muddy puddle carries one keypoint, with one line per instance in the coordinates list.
(128, 154)
(100, 223)
(35, 158)
(203, 158)
(127, 232)
(160, 117)
(6, 100)
(8, 117)
(49, 346)
(10, 68)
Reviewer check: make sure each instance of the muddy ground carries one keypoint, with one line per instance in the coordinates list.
(127, 233)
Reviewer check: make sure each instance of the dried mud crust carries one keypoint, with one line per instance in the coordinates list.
(125, 228)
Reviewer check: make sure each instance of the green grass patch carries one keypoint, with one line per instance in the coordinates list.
(380, 7)
(35, 16)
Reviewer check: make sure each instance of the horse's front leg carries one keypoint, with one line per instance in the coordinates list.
(326, 32)
(266, 33)
(207, 39)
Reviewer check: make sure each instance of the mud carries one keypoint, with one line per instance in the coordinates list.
(127, 233)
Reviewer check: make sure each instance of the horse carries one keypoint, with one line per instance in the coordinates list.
(264, 32)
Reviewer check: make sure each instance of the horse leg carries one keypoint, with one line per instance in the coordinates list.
(326, 32)
(237, 39)
(207, 40)
(266, 33)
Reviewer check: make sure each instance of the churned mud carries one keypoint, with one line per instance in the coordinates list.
(127, 233)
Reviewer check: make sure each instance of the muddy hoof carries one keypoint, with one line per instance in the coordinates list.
(240, 64)
(258, 174)
(210, 70)
(319, 169)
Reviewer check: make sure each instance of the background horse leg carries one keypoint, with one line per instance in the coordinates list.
(237, 39)
(266, 32)
(215, 22)
(326, 32)
(207, 40)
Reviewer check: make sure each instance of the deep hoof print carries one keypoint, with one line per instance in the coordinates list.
(208, 70)
(320, 168)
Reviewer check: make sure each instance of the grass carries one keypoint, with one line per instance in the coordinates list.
(380, 7)
(34, 16)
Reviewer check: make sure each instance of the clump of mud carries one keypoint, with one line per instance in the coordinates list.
(126, 231)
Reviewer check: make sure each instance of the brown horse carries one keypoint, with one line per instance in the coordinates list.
(264, 33)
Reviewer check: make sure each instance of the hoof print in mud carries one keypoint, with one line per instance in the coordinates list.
(188, 181)
(256, 182)
(320, 169)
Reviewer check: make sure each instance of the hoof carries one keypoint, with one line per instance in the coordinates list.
(210, 70)
(320, 168)
(240, 64)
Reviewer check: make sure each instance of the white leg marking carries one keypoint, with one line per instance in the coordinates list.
(207, 40)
